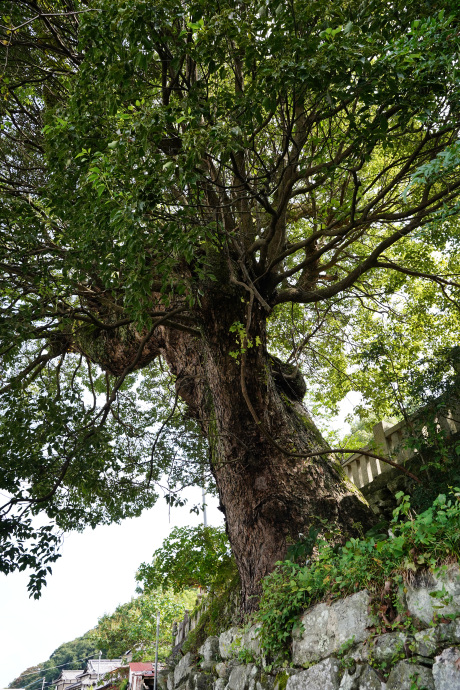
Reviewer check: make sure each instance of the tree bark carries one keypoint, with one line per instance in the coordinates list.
(268, 497)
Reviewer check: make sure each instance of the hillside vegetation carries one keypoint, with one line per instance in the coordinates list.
(132, 626)
(70, 655)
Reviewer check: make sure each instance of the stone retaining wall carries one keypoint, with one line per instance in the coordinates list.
(337, 647)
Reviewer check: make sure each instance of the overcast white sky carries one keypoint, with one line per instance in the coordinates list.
(94, 575)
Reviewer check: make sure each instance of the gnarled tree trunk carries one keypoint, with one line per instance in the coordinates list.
(269, 496)
(257, 430)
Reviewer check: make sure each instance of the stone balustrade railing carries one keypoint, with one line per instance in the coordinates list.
(390, 441)
(189, 623)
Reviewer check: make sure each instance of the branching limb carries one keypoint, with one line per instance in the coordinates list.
(260, 425)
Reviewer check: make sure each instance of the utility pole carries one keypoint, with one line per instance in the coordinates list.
(205, 521)
(156, 652)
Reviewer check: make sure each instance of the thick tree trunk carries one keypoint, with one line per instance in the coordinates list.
(255, 427)
(268, 496)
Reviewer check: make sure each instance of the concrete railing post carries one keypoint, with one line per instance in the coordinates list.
(382, 446)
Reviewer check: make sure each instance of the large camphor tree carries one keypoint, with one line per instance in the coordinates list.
(218, 195)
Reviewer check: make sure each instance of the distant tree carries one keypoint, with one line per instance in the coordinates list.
(132, 626)
(190, 557)
(30, 675)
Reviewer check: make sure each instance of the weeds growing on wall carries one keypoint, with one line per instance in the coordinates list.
(221, 613)
(412, 542)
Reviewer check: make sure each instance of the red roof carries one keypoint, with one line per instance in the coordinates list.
(138, 666)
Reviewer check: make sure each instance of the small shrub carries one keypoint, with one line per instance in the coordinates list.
(246, 656)
(190, 557)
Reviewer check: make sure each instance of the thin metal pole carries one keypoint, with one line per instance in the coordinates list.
(99, 666)
(205, 520)
(156, 652)
(43, 684)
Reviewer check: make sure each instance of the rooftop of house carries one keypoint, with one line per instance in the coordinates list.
(140, 666)
(102, 666)
(70, 673)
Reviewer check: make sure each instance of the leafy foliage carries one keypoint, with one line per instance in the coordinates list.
(113, 471)
(426, 540)
(190, 557)
(133, 625)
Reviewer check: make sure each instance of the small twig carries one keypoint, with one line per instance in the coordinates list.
(58, 382)
(48, 14)
(90, 376)
(159, 432)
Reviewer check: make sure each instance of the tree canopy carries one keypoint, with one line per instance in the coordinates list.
(187, 185)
